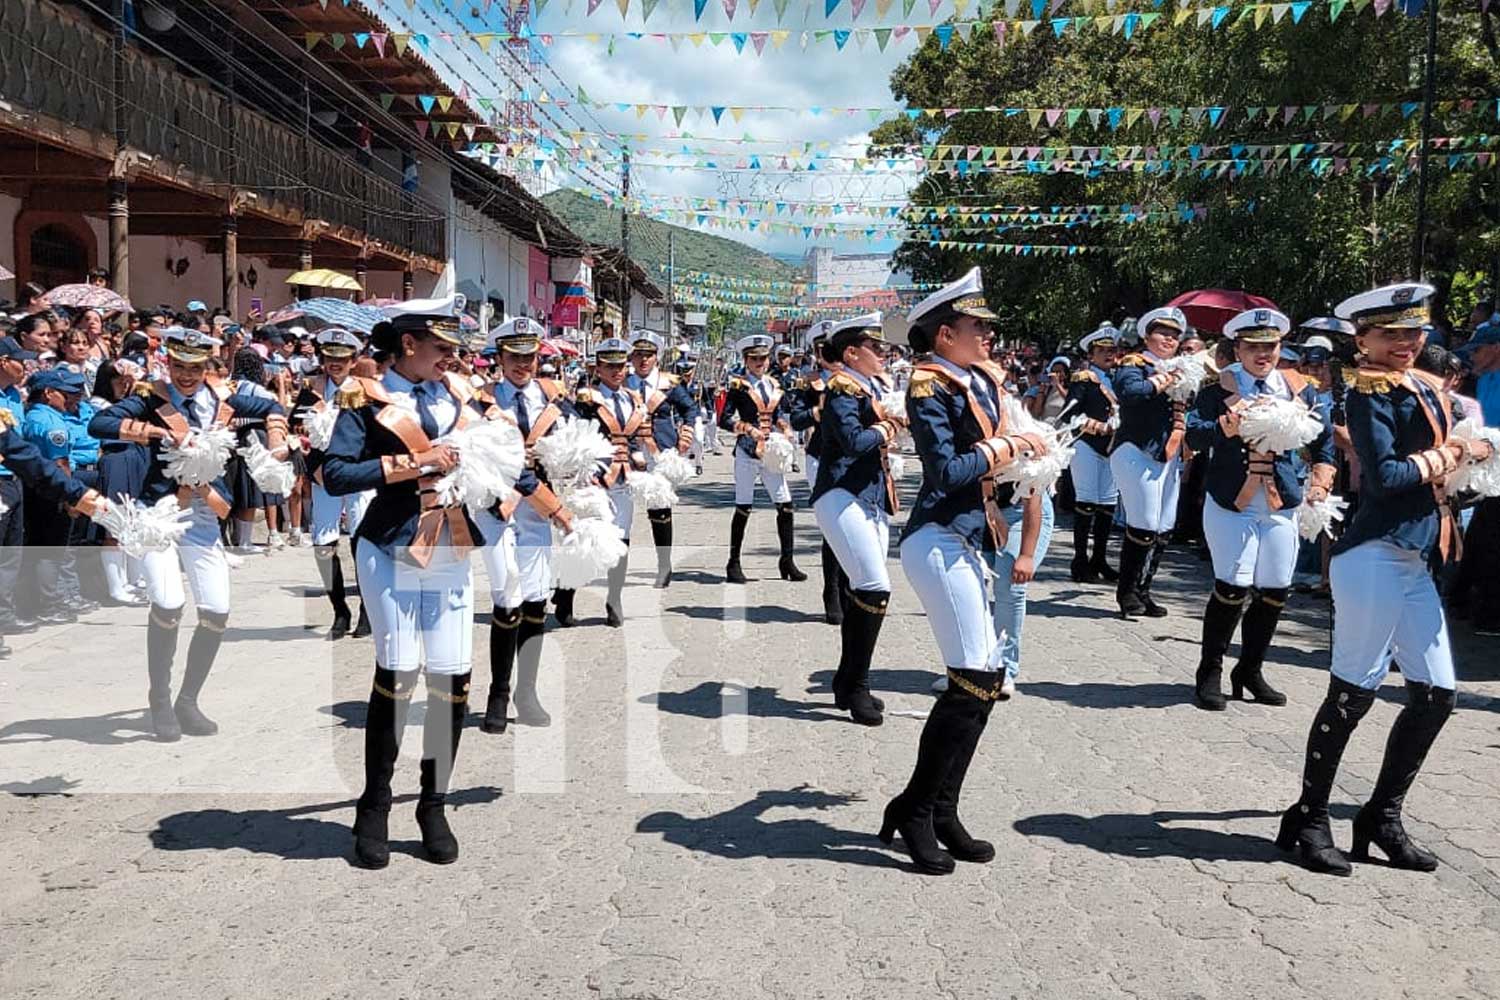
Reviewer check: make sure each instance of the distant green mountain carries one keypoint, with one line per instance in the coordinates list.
(597, 223)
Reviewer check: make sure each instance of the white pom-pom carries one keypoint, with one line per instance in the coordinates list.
(652, 491)
(1317, 517)
(587, 552)
(674, 467)
(491, 455)
(572, 450)
(1035, 475)
(893, 405)
(778, 452)
(1194, 369)
(896, 466)
(589, 502)
(269, 474)
(1482, 478)
(200, 459)
(1277, 426)
(140, 529)
(319, 426)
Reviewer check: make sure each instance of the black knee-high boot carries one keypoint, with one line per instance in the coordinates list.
(1148, 574)
(1083, 526)
(161, 649)
(859, 634)
(784, 535)
(202, 650)
(505, 623)
(447, 705)
(946, 825)
(737, 524)
(562, 607)
(1104, 523)
(529, 710)
(661, 537)
(1305, 825)
(1225, 605)
(1255, 638)
(362, 627)
(614, 600)
(1412, 735)
(331, 569)
(833, 601)
(1135, 549)
(956, 719)
(385, 721)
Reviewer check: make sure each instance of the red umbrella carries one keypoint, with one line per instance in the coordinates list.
(1208, 309)
(556, 345)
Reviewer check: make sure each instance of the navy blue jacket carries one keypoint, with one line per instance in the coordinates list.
(945, 431)
(1229, 458)
(1390, 418)
(807, 407)
(1145, 414)
(353, 463)
(739, 406)
(152, 405)
(677, 410)
(1092, 395)
(46, 477)
(854, 436)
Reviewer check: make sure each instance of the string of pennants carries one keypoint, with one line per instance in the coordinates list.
(933, 229)
(892, 209)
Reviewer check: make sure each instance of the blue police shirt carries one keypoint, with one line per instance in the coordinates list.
(10, 400)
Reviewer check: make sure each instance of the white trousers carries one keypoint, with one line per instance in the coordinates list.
(623, 502)
(200, 555)
(950, 579)
(812, 470)
(860, 536)
(327, 509)
(419, 616)
(1386, 605)
(747, 470)
(695, 450)
(1093, 480)
(710, 435)
(1148, 488)
(517, 555)
(1255, 546)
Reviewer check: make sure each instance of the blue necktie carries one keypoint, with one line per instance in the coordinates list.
(765, 394)
(619, 410)
(424, 411)
(522, 420)
(985, 399)
(1260, 387)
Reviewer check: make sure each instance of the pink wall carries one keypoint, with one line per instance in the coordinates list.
(539, 279)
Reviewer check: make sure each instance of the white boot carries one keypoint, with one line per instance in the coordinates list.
(117, 579)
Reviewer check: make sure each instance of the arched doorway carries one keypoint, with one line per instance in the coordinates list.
(58, 256)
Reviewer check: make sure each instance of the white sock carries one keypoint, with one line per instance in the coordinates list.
(115, 576)
(242, 533)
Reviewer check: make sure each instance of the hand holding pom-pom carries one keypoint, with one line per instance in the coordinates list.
(652, 491)
(587, 552)
(1192, 370)
(491, 457)
(589, 502)
(1317, 517)
(200, 459)
(140, 530)
(319, 426)
(573, 450)
(1277, 426)
(1481, 473)
(269, 474)
(778, 452)
(674, 468)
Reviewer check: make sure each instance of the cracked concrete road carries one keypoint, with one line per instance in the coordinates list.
(701, 822)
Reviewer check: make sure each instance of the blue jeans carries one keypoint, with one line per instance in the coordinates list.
(1010, 598)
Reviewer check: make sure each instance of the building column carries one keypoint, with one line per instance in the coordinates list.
(119, 235)
(361, 275)
(304, 263)
(231, 269)
(406, 282)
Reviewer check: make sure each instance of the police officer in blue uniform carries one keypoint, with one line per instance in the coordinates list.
(1146, 457)
(1091, 395)
(854, 499)
(673, 411)
(52, 393)
(955, 525)
(170, 410)
(1250, 507)
(84, 461)
(805, 411)
(1388, 608)
(13, 360)
(413, 565)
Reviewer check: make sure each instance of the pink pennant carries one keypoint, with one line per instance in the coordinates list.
(1155, 115)
(593, 5)
(1381, 6)
(422, 127)
(999, 33)
(758, 39)
(729, 8)
(1369, 109)
(857, 6)
(901, 31)
(1053, 114)
(379, 39)
(949, 112)
(933, 5)
(446, 36)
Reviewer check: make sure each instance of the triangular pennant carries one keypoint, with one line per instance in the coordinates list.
(312, 38)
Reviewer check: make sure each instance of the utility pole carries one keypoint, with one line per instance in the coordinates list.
(671, 298)
(1419, 245)
(625, 239)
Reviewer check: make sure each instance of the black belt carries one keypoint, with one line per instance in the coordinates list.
(90, 467)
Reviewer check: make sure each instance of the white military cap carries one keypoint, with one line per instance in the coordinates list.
(192, 346)
(612, 351)
(819, 330)
(1328, 324)
(652, 343)
(964, 296)
(336, 342)
(1258, 326)
(1106, 332)
(1168, 316)
(1400, 306)
(868, 323)
(520, 335)
(756, 345)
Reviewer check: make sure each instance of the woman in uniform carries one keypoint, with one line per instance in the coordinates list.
(170, 411)
(805, 414)
(1250, 505)
(959, 428)
(854, 499)
(1388, 607)
(755, 407)
(518, 531)
(413, 566)
(1091, 395)
(673, 411)
(122, 472)
(1146, 457)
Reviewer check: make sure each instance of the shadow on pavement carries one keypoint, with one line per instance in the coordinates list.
(1102, 694)
(890, 680)
(707, 701)
(760, 614)
(113, 729)
(742, 833)
(293, 834)
(1146, 835)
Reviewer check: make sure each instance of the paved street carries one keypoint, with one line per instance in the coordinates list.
(701, 822)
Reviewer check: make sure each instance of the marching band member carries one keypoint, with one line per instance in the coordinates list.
(805, 412)
(685, 368)
(1146, 457)
(518, 531)
(337, 348)
(673, 412)
(959, 428)
(625, 419)
(412, 563)
(755, 407)
(169, 411)
(1091, 394)
(854, 499)
(1250, 505)
(1381, 572)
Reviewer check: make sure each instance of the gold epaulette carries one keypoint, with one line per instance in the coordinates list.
(583, 395)
(1084, 376)
(351, 398)
(924, 382)
(143, 389)
(669, 380)
(7, 417)
(1132, 359)
(799, 383)
(1371, 381)
(738, 383)
(845, 385)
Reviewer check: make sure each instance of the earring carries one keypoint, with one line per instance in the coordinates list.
(410, 352)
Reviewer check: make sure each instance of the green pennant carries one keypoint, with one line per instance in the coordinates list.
(1073, 115)
(1335, 8)
(386, 99)
(780, 9)
(882, 35)
(906, 6)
